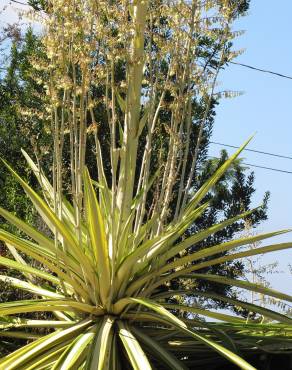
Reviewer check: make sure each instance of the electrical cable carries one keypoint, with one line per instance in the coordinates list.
(252, 150)
(18, 2)
(262, 70)
(267, 168)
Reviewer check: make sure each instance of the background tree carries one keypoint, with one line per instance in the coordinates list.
(21, 116)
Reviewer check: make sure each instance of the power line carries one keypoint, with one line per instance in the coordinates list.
(263, 167)
(18, 2)
(252, 150)
(267, 168)
(261, 70)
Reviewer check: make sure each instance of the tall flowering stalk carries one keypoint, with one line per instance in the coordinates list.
(156, 44)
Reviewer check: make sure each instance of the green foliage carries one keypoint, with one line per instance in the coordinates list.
(104, 309)
(20, 95)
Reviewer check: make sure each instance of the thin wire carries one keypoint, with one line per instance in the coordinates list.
(267, 168)
(18, 2)
(261, 70)
(252, 150)
(257, 166)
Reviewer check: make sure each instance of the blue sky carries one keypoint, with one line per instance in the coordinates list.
(8, 11)
(264, 108)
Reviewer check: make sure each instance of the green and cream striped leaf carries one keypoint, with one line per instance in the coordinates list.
(19, 358)
(31, 270)
(165, 356)
(243, 284)
(72, 281)
(29, 287)
(232, 301)
(207, 252)
(137, 356)
(77, 352)
(99, 357)
(9, 322)
(45, 305)
(141, 257)
(50, 217)
(98, 237)
(199, 195)
(47, 359)
(247, 253)
(67, 209)
(181, 326)
(204, 312)
(181, 272)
